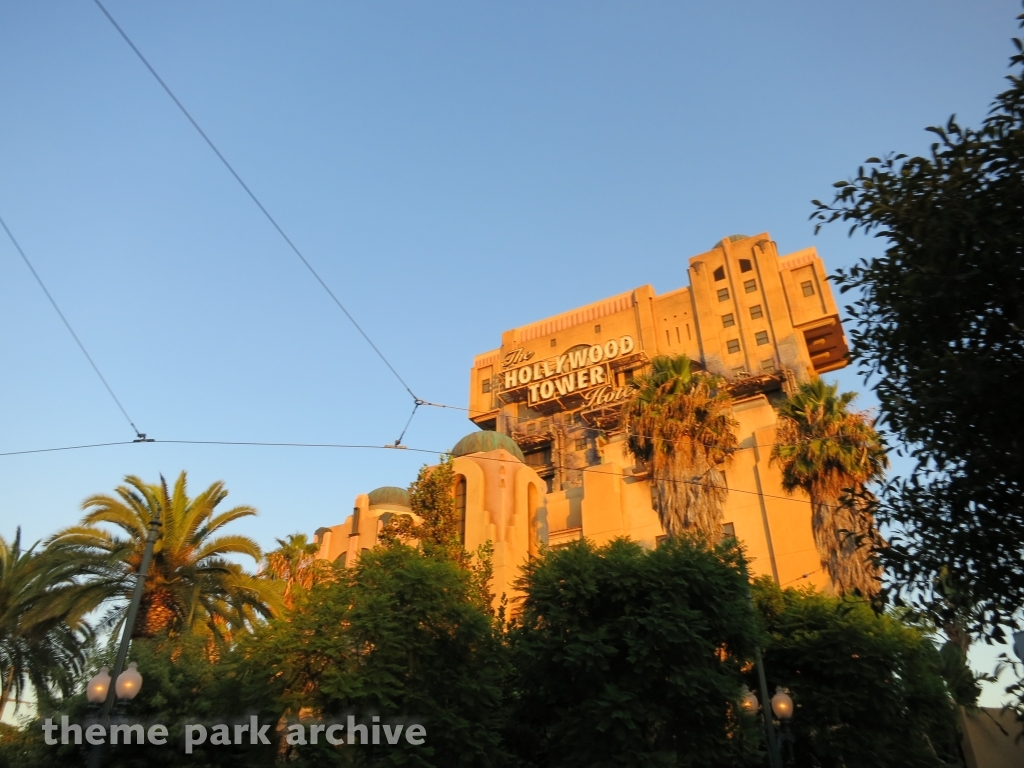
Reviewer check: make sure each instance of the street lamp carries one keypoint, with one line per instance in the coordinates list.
(130, 681)
(96, 691)
(748, 701)
(782, 706)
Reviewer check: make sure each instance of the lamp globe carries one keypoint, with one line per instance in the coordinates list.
(782, 705)
(96, 691)
(129, 682)
(748, 700)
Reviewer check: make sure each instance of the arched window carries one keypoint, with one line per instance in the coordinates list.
(460, 506)
(719, 274)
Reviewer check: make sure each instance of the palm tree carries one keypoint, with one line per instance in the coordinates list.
(42, 639)
(191, 585)
(679, 422)
(832, 453)
(295, 562)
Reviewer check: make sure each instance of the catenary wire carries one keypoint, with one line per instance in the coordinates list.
(78, 341)
(416, 400)
(256, 200)
(519, 419)
(433, 452)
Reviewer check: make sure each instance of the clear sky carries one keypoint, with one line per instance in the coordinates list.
(451, 169)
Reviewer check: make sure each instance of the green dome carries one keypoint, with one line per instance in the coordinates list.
(486, 440)
(389, 494)
(731, 239)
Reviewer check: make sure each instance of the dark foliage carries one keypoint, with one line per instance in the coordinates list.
(867, 689)
(940, 326)
(625, 657)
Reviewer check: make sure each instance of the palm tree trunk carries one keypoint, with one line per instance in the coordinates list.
(5, 690)
(843, 537)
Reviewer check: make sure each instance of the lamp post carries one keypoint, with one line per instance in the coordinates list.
(782, 707)
(128, 681)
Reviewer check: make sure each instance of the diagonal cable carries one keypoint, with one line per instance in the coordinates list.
(254, 198)
(78, 341)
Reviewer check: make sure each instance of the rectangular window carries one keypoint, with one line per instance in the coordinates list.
(745, 265)
(539, 458)
(597, 329)
(729, 530)
(768, 365)
(485, 386)
(756, 313)
(761, 337)
(581, 444)
(728, 321)
(733, 345)
(554, 342)
(807, 287)
(750, 286)
(723, 294)
(531, 428)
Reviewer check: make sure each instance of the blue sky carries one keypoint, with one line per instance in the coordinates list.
(451, 169)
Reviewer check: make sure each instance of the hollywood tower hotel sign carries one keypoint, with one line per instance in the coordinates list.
(548, 463)
(583, 369)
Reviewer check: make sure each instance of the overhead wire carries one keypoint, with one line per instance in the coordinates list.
(352, 446)
(139, 436)
(262, 208)
(417, 401)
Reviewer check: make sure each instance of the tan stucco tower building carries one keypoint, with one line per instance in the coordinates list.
(549, 463)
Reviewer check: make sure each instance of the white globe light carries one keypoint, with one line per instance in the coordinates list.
(748, 700)
(782, 705)
(129, 682)
(96, 691)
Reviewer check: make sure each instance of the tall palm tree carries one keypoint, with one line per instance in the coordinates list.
(191, 585)
(832, 453)
(295, 563)
(42, 639)
(679, 422)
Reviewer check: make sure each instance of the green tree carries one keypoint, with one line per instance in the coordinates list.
(191, 586)
(43, 638)
(679, 422)
(400, 636)
(436, 534)
(868, 688)
(939, 326)
(628, 657)
(296, 565)
(831, 453)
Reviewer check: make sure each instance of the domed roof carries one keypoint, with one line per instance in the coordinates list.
(731, 239)
(486, 440)
(389, 494)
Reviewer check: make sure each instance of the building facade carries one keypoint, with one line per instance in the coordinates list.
(549, 463)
